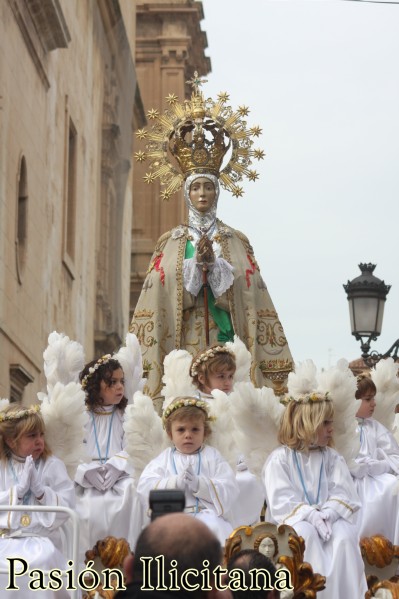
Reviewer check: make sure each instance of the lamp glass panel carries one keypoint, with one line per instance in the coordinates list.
(365, 313)
(380, 315)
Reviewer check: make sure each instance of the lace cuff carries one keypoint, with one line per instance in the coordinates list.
(192, 276)
(220, 276)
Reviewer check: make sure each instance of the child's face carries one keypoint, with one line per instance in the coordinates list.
(187, 435)
(28, 444)
(112, 394)
(325, 433)
(223, 380)
(367, 406)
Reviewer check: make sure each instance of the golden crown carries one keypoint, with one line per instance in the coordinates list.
(195, 136)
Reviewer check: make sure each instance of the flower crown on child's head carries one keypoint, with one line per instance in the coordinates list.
(207, 355)
(23, 413)
(92, 369)
(184, 402)
(314, 397)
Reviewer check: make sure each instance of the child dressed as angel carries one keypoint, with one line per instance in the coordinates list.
(213, 369)
(308, 486)
(376, 466)
(199, 470)
(30, 476)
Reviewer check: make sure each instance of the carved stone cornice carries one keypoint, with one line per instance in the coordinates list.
(43, 28)
(173, 31)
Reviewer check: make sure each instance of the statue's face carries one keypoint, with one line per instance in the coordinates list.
(202, 194)
(267, 547)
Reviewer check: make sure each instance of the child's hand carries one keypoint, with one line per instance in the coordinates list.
(191, 479)
(376, 467)
(95, 478)
(321, 524)
(359, 470)
(180, 482)
(111, 475)
(241, 465)
(36, 484)
(23, 485)
(329, 514)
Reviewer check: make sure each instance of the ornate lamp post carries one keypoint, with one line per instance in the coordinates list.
(366, 296)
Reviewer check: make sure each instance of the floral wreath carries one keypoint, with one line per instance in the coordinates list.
(92, 369)
(183, 402)
(207, 355)
(24, 413)
(314, 397)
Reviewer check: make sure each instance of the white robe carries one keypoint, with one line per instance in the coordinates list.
(217, 487)
(339, 559)
(117, 511)
(246, 509)
(378, 493)
(39, 543)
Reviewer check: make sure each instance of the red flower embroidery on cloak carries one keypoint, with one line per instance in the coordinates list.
(156, 263)
(250, 271)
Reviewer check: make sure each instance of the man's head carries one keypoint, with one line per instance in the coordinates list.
(247, 560)
(178, 537)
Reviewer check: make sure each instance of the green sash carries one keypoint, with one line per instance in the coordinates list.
(221, 317)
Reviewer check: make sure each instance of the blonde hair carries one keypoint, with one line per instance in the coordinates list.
(188, 414)
(301, 422)
(13, 429)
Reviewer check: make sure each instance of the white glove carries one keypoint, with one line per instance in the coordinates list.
(36, 484)
(180, 483)
(111, 475)
(359, 470)
(376, 467)
(241, 465)
(191, 479)
(96, 478)
(321, 524)
(23, 485)
(330, 515)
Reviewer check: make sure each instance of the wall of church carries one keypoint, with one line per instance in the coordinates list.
(69, 103)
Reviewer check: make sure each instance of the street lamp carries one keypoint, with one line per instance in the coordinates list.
(366, 296)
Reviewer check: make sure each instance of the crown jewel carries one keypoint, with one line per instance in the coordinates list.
(195, 136)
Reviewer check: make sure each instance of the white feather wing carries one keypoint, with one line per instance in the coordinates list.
(257, 414)
(144, 434)
(4, 403)
(129, 357)
(385, 377)
(177, 380)
(341, 384)
(243, 359)
(303, 380)
(223, 437)
(63, 360)
(65, 417)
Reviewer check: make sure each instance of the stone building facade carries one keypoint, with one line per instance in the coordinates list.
(70, 101)
(69, 105)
